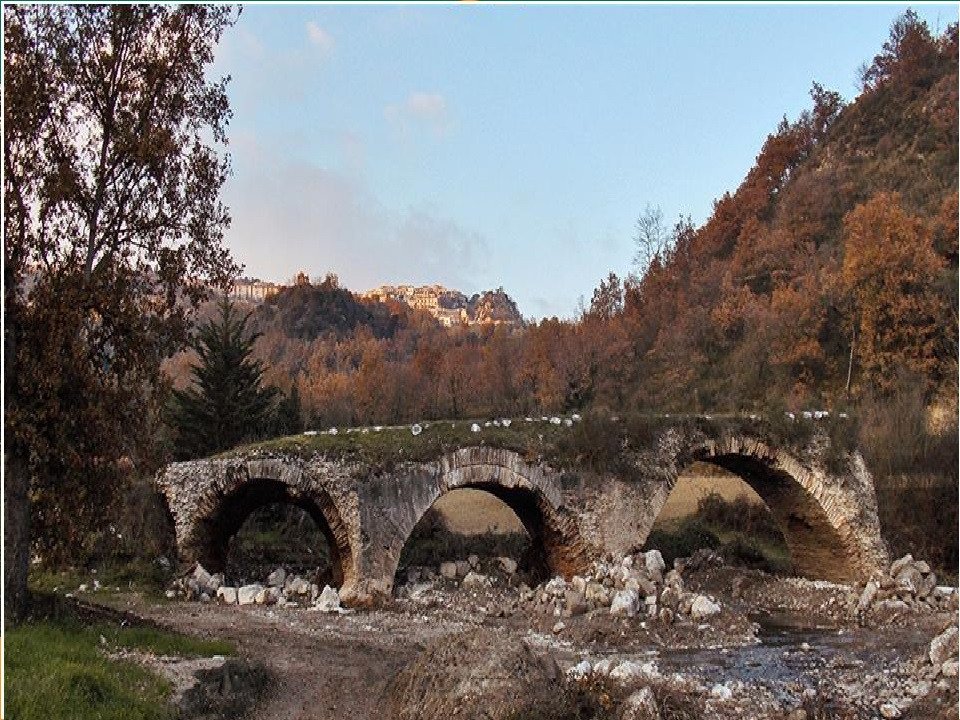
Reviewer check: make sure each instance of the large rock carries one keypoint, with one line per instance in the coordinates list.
(703, 608)
(867, 596)
(944, 646)
(655, 565)
(555, 586)
(909, 579)
(625, 602)
(596, 594)
(277, 578)
(576, 603)
(267, 596)
(670, 597)
(508, 565)
(247, 595)
(448, 570)
(205, 582)
(641, 705)
(329, 600)
(900, 564)
(927, 585)
(479, 675)
(227, 595)
(476, 580)
(296, 586)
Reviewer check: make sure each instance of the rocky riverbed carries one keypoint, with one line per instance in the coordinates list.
(631, 638)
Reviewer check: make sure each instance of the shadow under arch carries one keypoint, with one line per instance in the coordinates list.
(819, 548)
(212, 533)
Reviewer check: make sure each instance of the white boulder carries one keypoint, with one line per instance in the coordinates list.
(329, 600)
(476, 580)
(625, 602)
(703, 608)
(247, 595)
(944, 646)
(277, 578)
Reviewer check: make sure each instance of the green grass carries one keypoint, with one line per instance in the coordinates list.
(392, 445)
(595, 443)
(144, 577)
(58, 667)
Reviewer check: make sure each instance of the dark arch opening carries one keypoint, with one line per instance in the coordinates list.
(816, 549)
(214, 533)
(712, 508)
(538, 548)
(279, 535)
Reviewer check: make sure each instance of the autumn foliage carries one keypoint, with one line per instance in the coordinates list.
(829, 273)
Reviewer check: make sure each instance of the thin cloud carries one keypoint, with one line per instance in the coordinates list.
(289, 214)
(320, 38)
(420, 108)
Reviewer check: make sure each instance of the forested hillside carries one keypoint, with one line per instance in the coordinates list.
(828, 278)
(843, 235)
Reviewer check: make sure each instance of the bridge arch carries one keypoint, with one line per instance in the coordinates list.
(532, 492)
(241, 490)
(819, 515)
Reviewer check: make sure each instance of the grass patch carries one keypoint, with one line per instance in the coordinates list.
(745, 533)
(381, 450)
(149, 578)
(57, 666)
(56, 671)
(597, 442)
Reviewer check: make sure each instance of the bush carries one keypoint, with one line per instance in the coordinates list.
(277, 535)
(744, 532)
(738, 515)
(686, 539)
(431, 543)
(915, 474)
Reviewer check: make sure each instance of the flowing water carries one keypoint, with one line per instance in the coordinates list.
(792, 649)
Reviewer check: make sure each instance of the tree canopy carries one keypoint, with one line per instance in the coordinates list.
(113, 139)
(226, 403)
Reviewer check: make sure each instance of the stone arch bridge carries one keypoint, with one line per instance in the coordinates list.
(828, 518)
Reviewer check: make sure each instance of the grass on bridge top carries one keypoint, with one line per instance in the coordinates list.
(369, 445)
(595, 442)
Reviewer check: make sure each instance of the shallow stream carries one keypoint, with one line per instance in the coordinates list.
(792, 649)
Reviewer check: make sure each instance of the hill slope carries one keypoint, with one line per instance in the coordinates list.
(844, 233)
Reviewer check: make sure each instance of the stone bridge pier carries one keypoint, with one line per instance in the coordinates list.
(829, 521)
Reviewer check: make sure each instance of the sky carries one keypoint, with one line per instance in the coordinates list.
(480, 146)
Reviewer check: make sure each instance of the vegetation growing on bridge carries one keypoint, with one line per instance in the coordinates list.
(595, 442)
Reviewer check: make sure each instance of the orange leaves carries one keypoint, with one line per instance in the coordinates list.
(889, 269)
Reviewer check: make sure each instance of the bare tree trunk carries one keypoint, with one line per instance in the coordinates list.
(853, 341)
(16, 536)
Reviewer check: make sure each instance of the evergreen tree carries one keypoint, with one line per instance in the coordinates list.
(226, 403)
(287, 417)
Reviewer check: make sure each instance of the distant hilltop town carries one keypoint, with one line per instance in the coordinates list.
(450, 307)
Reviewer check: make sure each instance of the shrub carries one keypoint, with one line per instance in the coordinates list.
(431, 543)
(685, 540)
(277, 535)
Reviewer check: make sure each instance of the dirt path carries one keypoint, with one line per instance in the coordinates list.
(326, 667)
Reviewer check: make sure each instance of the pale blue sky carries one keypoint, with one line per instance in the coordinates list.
(478, 145)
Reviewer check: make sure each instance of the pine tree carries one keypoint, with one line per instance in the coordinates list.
(287, 417)
(226, 403)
